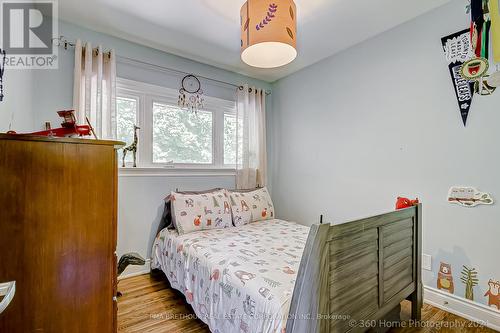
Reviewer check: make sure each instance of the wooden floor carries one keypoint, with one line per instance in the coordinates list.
(149, 304)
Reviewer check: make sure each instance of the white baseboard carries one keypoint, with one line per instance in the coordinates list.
(132, 271)
(463, 307)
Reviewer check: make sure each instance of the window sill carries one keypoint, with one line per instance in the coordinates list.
(174, 172)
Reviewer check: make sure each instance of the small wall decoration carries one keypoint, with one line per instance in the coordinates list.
(493, 294)
(469, 278)
(457, 48)
(190, 94)
(445, 279)
(468, 196)
(474, 69)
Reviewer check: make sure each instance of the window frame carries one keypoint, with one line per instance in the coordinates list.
(148, 94)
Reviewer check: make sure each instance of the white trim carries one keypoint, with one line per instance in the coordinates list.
(132, 270)
(175, 172)
(462, 307)
(210, 103)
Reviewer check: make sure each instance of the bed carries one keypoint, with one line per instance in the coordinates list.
(236, 279)
(277, 276)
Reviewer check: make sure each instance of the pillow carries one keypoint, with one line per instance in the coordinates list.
(251, 206)
(166, 220)
(195, 212)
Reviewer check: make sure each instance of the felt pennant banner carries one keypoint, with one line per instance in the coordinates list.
(458, 50)
(495, 28)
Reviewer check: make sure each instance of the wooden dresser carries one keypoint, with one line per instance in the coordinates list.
(58, 202)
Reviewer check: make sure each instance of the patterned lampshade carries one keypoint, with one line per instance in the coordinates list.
(268, 33)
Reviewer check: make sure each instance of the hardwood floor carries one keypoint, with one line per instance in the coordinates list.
(149, 304)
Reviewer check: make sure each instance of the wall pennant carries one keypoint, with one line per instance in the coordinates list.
(468, 196)
(458, 50)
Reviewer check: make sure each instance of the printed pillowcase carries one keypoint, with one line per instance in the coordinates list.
(251, 206)
(200, 211)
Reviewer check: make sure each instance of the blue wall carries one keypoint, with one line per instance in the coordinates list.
(351, 133)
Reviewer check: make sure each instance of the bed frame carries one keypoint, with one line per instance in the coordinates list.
(352, 275)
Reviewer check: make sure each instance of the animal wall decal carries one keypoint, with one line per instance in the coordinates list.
(493, 294)
(445, 278)
(469, 278)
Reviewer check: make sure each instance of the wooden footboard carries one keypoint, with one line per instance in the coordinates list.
(353, 274)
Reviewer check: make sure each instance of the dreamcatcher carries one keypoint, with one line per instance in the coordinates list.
(190, 94)
(2, 70)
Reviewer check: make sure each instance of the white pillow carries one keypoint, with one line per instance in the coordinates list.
(251, 206)
(194, 212)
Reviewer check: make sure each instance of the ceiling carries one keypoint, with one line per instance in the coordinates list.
(208, 31)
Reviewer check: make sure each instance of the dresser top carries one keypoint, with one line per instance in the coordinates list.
(27, 137)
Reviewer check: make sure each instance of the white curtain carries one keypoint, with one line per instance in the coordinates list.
(251, 166)
(94, 89)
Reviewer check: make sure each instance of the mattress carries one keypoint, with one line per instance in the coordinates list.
(237, 279)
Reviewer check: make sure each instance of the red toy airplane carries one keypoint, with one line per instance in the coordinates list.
(69, 127)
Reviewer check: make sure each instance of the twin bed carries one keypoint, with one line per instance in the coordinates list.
(279, 276)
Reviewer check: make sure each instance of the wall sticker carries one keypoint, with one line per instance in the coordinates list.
(469, 278)
(493, 294)
(468, 196)
(445, 279)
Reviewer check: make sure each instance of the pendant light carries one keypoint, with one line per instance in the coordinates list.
(268, 33)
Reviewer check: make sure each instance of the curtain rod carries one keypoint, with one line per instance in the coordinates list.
(63, 42)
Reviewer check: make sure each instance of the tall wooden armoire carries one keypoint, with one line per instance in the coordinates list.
(58, 207)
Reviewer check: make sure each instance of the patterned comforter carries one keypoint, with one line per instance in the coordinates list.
(237, 279)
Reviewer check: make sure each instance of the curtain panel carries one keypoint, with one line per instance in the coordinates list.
(251, 166)
(94, 89)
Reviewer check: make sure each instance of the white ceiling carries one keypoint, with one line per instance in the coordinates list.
(208, 30)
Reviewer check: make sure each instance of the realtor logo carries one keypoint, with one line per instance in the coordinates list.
(28, 29)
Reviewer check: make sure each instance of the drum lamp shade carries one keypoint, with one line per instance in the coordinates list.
(268, 33)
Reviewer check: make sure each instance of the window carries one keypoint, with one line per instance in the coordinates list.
(181, 136)
(126, 117)
(174, 137)
(230, 140)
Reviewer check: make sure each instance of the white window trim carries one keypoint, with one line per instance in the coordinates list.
(147, 94)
